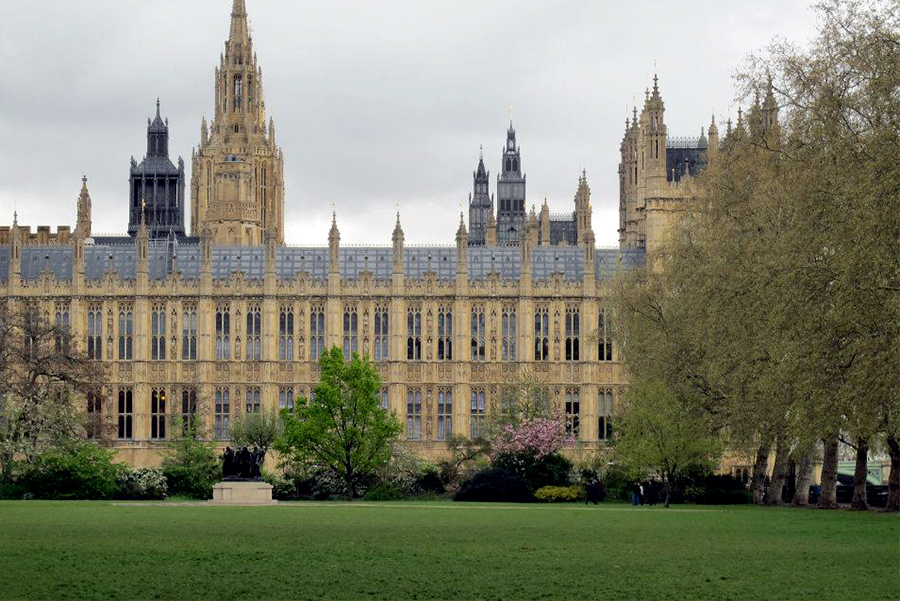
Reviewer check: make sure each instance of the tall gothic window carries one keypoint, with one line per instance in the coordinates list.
(509, 334)
(445, 335)
(476, 332)
(542, 335)
(30, 335)
(95, 415)
(95, 332)
(604, 333)
(254, 403)
(126, 333)
(385, 399)
(477, 412)
(238, 92)
(188, 410)
(61, 339)
(605, 411)
(158, 414)
(573, 333)
(286, 333)
(445, 414)
(382, 334)
(158, 333)
(414, 414)
(189, 333)
(351, 327)
(414, 335)
(316, 332)
(286, 398)
(254, 333)
(126, 413)
(573, 411)
(223, 332)
(223, 413)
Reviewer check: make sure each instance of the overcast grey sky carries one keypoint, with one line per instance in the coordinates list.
(375, 103)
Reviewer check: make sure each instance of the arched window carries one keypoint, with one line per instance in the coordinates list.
(508, 165)
(516, 165)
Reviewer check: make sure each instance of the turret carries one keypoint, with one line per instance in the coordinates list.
(334, 246)
(510, 192)
(480, 204)
(653, 137)
(462, 246)
(583, 209)
(397, 239)
(544, 233)
(83, 222)
(713, 136)
(15, 261)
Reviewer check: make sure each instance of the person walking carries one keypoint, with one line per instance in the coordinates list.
(635, 494)
(641, 493)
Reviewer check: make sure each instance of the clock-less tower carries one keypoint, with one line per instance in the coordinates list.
(237, 182)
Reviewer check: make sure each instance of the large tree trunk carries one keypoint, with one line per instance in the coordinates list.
(804, 476)
(860, 475)
(670, 493)
(759, 473)
(893, 502)
(828, 496)
(779, 473)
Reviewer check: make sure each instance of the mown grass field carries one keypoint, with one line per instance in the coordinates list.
(443, 551)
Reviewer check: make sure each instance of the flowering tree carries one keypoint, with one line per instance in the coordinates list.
(539, 437)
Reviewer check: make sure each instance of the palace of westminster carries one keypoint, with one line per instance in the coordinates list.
(226, 318)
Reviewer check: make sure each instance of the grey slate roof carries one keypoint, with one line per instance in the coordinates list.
(290, 261)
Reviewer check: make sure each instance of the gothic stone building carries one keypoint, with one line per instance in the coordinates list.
(232, 320)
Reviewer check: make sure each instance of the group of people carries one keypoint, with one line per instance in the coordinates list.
(243, 464)
(645, 492)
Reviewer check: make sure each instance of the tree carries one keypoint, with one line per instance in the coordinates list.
(343, 425)
(191, 465)
(43, 379)
(256, 429)
(659, 433)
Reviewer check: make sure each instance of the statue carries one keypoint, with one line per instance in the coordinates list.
(229, 468)
(243, 464)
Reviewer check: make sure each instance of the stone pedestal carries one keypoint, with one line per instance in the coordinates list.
(242, 493)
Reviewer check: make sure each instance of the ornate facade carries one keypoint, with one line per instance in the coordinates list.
(657, 173)
(232, 320)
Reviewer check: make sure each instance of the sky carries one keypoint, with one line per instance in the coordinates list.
(378, 106)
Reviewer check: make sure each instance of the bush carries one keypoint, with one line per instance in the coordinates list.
(191, 468)
(559, 494)
(384, 492)
(429, 480)
(549, 470)
(146, 483)
(82, 471)
(495, 485)
(712, 489)
(283, 488)
(618, 483)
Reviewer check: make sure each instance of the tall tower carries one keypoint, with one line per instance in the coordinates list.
(481, 205)
(237, 183)
(653, 141)
(156, 187)
(510, 193)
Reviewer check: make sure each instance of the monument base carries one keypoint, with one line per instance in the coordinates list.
(242, 493)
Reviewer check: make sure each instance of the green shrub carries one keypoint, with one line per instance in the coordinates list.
(618, 483)
(559, 494)
(191, 468)
(429, 480)
(145, 483)
(550, 470)
(384, 492)
(76, 472)
(283, 488)
(495, 485)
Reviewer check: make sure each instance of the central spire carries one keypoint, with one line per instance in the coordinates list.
(239, 30)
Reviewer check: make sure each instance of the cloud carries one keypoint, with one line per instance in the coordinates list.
(376, 104)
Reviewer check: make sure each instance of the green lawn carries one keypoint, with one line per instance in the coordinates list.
(443, 551)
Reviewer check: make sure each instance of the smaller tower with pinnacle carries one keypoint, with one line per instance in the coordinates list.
(510, 192)
(481, 205)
